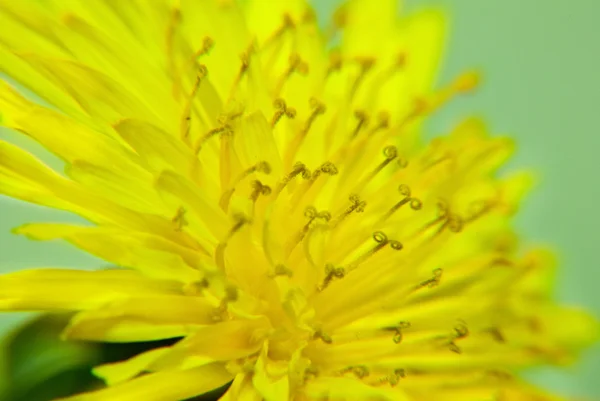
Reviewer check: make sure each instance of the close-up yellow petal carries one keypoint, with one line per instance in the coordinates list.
(273, 211)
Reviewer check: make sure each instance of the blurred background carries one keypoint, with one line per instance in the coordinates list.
(540, 60)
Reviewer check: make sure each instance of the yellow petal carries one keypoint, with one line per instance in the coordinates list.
(24, 177)
(162, 386)
(158, 148)
(151, 255)
(59, 289)
(143, 318)
(119, 372)
(111, 100)
(272, 382)
(68, 139)
(242, 389)
(223, 341)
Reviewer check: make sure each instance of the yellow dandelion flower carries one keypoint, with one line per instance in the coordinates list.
(268, 199)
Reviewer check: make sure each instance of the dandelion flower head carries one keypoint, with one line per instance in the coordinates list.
(263, 193)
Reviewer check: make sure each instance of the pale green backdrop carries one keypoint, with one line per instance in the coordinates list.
(541, 60)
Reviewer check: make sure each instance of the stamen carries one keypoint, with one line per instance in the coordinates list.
(326, 168)
(261, 167)
(398, 336)
(366, 64)
(174, 21)
(287, 24)
(179, 220)
(258, 188)
(331, 272)
(360, 371)
(318, 109)
(326, 338)
(414, 203)
(281, 109)
(225, 128)
(432, 282)
(240, 221)
(203, 139)
(452, 222)
(299, 168)
(207, 45)
(312, 214)
(383, 122)
(461, 331)
(382, 241)
(296, 64)
(390, 153)
(335, 63)
(245, 59)
(231, 295)
(293, 146)
(497, 335)
(357, 205)
(281, 270)
(186, 123)
(463, 84)
(467, 82)
(478, 209)
(363, 120)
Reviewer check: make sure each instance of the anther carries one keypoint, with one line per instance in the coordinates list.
(179, 220)
(281, 109)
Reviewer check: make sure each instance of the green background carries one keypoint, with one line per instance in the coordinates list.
(541, 60)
